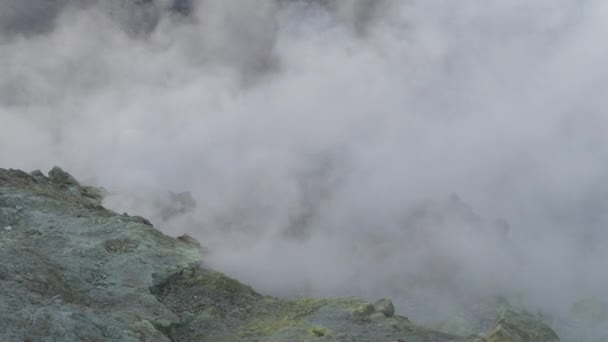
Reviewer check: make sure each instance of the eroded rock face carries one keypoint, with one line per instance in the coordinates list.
(72, 270)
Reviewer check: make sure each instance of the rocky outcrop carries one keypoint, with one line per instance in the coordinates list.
(72, 270)
(521, 327)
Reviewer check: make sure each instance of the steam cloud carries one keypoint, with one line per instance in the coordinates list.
(426, 150)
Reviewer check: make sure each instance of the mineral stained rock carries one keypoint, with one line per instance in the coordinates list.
(72, 270)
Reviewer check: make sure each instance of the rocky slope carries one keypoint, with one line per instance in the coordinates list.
(72, 270)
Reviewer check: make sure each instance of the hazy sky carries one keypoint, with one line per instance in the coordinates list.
(333, 147)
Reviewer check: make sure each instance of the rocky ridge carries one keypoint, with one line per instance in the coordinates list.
(72, 270)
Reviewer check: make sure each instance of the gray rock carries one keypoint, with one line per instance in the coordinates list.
(39, 176)
(514, 326)
(58, 176)
(385, 306)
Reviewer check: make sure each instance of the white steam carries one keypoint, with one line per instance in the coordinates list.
(414, 149)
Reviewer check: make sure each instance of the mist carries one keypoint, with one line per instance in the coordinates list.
(428, 151)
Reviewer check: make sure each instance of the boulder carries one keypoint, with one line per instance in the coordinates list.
(512, 326)
(385, 307)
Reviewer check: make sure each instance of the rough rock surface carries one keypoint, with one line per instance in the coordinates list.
(72, 270)
(521, 327)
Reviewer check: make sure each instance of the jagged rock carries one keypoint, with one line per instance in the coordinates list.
(521, 327)
(58, 176)
(39, 176)
(74, 271)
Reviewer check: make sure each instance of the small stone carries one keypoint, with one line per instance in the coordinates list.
(8, 228)
(385, 306)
